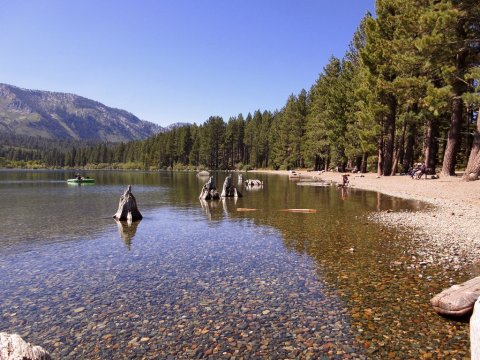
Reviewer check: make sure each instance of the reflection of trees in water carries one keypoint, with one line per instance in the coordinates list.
(127, 231)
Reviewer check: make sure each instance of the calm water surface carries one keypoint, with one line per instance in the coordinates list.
(197, 279)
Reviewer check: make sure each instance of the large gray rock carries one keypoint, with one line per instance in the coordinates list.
(457, 300)
(127, 207)
(228, 189)
(13, 347)
(209, 191)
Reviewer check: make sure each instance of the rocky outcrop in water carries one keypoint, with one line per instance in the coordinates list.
(13, 347)
(209, 191)
(127, 207)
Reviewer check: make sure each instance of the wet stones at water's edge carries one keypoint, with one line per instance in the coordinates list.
(232, 282)
(264, 306)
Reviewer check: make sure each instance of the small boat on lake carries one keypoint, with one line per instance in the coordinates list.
(82, 180)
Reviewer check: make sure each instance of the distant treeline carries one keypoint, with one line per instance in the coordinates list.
(407, 90)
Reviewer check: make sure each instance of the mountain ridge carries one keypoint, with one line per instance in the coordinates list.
(63, 116)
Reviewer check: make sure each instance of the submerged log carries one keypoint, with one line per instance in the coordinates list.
(127, 207)
(13, 347)
(475, 332)
(457, 300)
(209, 191)
(228, 189)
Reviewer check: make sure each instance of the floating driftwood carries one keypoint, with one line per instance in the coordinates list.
(475, 332)
(307, 211)
(228, 189)
(209, 191)
(13, 347)
(314, 183)
(457, 300)
(246, 209)
(127, 207)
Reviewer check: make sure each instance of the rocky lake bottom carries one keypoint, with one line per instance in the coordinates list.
(194, 282)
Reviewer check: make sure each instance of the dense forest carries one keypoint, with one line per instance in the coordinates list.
(407, 90)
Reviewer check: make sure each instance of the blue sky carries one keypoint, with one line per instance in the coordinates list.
(178, 60)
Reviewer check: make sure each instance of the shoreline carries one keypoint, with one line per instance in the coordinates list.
(448, 231)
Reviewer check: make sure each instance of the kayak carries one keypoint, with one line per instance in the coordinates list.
(81, 181)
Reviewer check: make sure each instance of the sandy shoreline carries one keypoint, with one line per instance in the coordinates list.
(448, 231)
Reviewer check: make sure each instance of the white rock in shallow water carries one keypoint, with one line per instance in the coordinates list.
(13, 347)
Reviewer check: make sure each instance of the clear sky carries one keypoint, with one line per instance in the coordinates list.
(177, 60)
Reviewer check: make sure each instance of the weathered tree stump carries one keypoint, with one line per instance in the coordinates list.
(228, 189)
(13, 347)
(475, 332)
(209, 191)
(457, 300)
(127, 207)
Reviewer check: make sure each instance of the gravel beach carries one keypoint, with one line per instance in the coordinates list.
(447, 231)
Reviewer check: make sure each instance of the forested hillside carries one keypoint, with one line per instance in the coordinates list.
(407, 90)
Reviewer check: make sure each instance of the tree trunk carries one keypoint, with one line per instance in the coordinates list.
(473, 166)
(430, 145)
(408, 157)
(453, 140)
(363, 166)
(390, 135)
(380, 152)
(400, 145)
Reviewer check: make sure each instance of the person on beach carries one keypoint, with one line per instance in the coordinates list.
(411, 172)
(345, 180)
(421, 170)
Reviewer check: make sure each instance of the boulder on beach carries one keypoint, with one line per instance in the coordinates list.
(13, 347)
(457, 300)
(209, 191)
(127, 207)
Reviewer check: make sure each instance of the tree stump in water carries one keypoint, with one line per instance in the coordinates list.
(127, 207)
(253, 182)
(13, 347)
(228, 189)
(457, 300)
(209, 191)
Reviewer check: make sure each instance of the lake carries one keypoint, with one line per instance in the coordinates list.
(195, 279)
